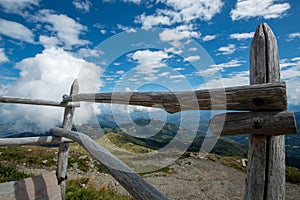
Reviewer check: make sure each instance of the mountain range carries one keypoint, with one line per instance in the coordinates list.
(137, 130)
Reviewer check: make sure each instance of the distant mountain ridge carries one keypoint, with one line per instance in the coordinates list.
(165, 134)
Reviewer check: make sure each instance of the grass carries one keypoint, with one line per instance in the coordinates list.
(41, 157)
(32, 156)
(292, 175)
(83, 189)
(10, 173)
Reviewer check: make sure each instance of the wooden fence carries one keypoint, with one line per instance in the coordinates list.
(263, 117)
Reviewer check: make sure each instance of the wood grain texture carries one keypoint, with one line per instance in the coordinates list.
(256, 97)
(32, 141)
(266, 156)
(275, 185)
(63, 153)
(132, 182)
(40, 102)
(262, 123)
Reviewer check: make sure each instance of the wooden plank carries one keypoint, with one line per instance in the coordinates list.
(266, 123)
(132, 182)
(38, 187)
(63, 153)
(256, 97)
(266, 155)
(40, 102)
(32, 141)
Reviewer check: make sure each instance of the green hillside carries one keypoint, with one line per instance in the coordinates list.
(125, 138)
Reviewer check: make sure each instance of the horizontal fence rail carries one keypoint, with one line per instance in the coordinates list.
(132, 182)
(17, 100)
(255, 97)
(268, 123)
(33, 141)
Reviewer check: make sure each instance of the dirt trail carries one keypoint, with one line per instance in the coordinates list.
(190, 178)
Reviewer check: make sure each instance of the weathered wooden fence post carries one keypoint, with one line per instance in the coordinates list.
(266, 154)
(63, 153)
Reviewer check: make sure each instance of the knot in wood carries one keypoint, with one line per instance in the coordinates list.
(258, 101)
(65, 96)
(257, 123)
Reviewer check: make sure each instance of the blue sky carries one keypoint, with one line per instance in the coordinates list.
(137, 45)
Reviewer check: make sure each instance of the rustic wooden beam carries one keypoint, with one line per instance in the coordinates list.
(63, 153)
(266, 154)
(40, 102)
(32, 141)
(132, 182)
(260, 123)
(255, 97)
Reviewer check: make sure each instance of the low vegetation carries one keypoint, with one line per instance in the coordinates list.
(46, 157)
(83, 189)
(11, 173)
(292, 175)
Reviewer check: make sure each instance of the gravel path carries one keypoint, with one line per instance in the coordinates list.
(190, 178)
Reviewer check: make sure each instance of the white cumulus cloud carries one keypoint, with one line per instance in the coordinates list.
(293, 36)
(48, 76)
(16, 31)
(64, 28)
(179, 11)
(3, 57)
(176, 36)
(17, 6)
(267, 9)
(241, 36)
(218, 68)
(227, 50)
(192, 58)
(290, 73)
(82, 5)
(209, 37)
(149, 61)
(195, 9)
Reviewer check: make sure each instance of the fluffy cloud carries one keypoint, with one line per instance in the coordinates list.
(152, 20)
(176, 35)
(242, 36)
(195, 9)
(209, 38)
(293, 36)
(82, 5)
(49, 75)
(227, 50)
(17, 6)
(267, 9)
(64, 28)
(192, 58)
(16, 31)
(217, 68)
(234, 79)
(232, 63)
(290, 73)
(133, 1)
(3, 57)
(149, 61)
(126, 28)
(181, 12)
